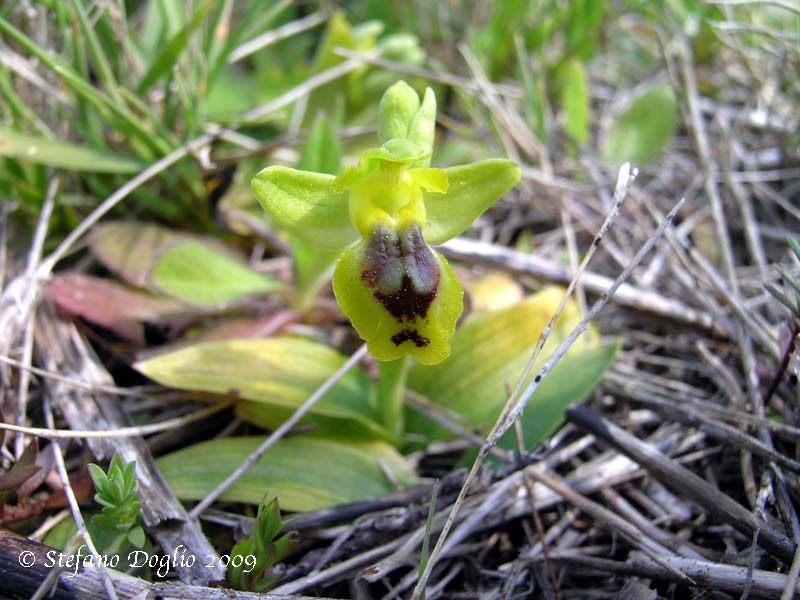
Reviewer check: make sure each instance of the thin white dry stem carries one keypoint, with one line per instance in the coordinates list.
(784, 5)
(646, 300)
(511, 413)
(279, 432)
(120, 194)
(26, 70)
(572, 252)
(302, 90)
(745, 205)
(75, 509)
(751, 322)
(91, 387)
(710, 170)
(625, 179)
(34, 256)
(275, 35)
(45, 589)
(512, 123)
(48, 524)
(446, 78)
(133, 431)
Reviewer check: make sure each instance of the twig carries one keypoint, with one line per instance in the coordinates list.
(34, 256)
(498, 257)
(711, 575)
(75, 509)
(685, 482)
(138, 430)
(629, 531)
(270, 37)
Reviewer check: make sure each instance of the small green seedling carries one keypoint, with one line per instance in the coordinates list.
(118, 494)
(401, 296)
(253, 560)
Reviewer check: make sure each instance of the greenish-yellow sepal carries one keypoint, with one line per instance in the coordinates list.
(306, 204)
(471, 190)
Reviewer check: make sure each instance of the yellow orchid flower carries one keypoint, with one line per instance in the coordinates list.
(401, 295)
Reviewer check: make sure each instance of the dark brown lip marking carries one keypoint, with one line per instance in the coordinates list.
(400, 269)
(411, 335)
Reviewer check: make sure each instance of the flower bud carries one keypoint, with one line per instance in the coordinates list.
(401, 116)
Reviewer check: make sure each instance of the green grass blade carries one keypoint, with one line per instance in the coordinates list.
(163, 63)
(56, 153)
(423, 555)
(113, 112)
(102, 67)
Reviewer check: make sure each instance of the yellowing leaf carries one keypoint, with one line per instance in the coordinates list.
(305, 472)
(489, 354)
(494, 291)
(273, 376)
(129, 249)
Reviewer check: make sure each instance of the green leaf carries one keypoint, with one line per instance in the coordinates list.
(643, 130)
(136, 536)
(321, 153)
(198, 275)
(313, 266)
(570, 381)
(305, 472)
(306, 205)
(583, 21)
(575, 100)
(165, 61)
(472, 189)
(489, 354)
(271, 523)
(55, 153)
(273, 376)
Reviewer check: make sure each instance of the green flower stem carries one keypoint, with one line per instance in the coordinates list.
(391, 393)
